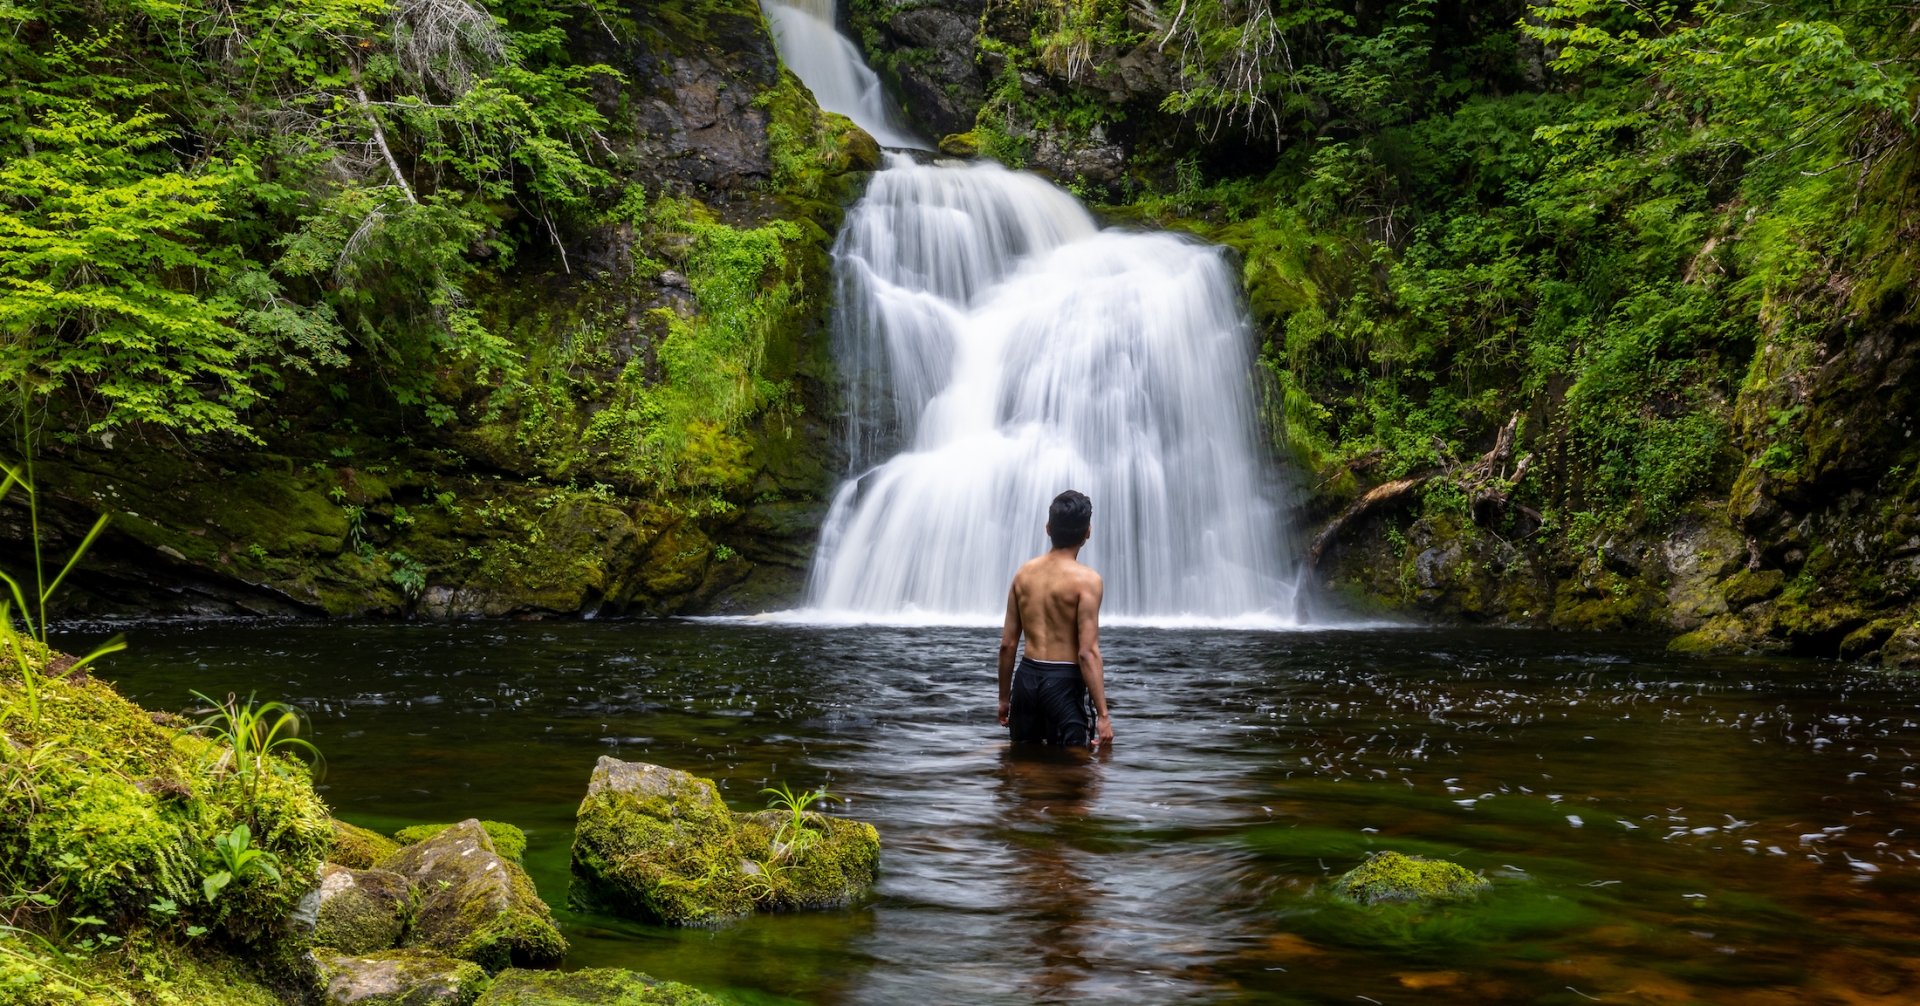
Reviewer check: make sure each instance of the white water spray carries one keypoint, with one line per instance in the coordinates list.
(999, 347)
(832, 69)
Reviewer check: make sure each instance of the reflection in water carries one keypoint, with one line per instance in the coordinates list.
(1041, 787)
(1658, 829)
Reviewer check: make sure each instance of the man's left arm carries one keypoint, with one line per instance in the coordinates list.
(1092, 669)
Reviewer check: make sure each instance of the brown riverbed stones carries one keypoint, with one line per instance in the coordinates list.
(660, 845)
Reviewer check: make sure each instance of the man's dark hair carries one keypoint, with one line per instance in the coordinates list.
(1068, 518)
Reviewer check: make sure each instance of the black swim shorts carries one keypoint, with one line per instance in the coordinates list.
(1050, 704)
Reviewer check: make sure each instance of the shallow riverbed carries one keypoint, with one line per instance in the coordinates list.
(1657, 828)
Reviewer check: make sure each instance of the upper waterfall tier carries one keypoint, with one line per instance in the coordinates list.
(830, 65)
(1008, 349)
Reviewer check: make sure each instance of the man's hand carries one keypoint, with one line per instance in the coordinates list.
(1006, 706)
(1102, 731)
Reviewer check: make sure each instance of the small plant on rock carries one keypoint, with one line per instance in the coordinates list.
(233, 859)
(252, 735)
(793, 837)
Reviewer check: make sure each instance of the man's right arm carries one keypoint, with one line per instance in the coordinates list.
(1009, 646)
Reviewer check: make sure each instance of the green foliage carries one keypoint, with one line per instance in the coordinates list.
(1595, 218)
(232, 858)
(350, 166)
(408, 574)
(105, 814)
(793, 838)
(250, 737)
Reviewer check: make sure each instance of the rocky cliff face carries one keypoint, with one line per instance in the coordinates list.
(544, 495)
(1812, 549)
(1805, 537)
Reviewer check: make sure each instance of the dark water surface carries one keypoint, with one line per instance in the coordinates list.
(1657, 829)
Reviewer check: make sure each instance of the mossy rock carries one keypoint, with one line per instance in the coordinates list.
(397, 978)
(1751, 586)
(832, 867)
(659, 845)
(128, 807)
(142, 970)
(589, 987)
(1868, 639)
(960, 144)
(508, 840)
(359, 848)
(361, 911)
(1391, 878)
(475, 904)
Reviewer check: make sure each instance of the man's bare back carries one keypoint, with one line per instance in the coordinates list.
(1055, 604)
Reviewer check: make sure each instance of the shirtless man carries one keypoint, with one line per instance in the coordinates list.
(1055, 603)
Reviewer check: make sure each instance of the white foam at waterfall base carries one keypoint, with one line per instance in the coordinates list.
(831, 67)
(999, 347)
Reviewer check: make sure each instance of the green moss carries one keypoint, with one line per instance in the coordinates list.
(359, 848)
(116, 812)
(965, 144)
(361, 911)
(662, 850)
(1751, 586)
(835, 867)
(660, 845)
(474, 904)
(589, 987)
(399, 978)
(143, 970)
(508, 840)
(1389, 877)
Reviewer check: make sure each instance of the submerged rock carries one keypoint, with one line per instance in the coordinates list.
(658, 844)
(359, 848)
(474, 904)
(361, 911)
(397, 978)
(508, 840)
(1389, 878)
(589, 987)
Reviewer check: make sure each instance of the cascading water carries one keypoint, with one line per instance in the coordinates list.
(831, 67)
(1013, 349)
(999, 347)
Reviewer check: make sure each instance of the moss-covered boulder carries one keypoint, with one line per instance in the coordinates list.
(660, 845)
(1751, 586)
(589, 987)
(1391, 878)
(815, 861)
(508, 840)
(116, 810)
(656, 844)
(361, 911)
(397, 978)
(359, 848)
(475, 904)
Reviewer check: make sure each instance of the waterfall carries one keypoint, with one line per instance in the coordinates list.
(831, 67)
(997, 347)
